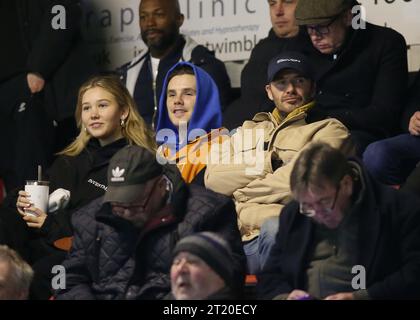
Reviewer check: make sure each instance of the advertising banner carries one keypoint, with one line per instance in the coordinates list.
(231, 28)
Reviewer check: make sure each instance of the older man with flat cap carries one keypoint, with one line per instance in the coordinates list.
(361, 69)
(122, 247)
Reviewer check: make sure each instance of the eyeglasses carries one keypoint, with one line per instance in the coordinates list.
(283, 84)
(143, 204)
(321, 30)
(325, 205)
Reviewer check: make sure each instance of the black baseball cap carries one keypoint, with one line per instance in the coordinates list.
(289, 60)
(130, 168)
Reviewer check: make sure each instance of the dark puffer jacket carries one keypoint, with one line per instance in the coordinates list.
(111, 259)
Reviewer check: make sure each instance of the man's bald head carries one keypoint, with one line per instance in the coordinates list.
(174, 4)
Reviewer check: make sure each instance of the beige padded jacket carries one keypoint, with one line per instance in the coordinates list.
(245, 170)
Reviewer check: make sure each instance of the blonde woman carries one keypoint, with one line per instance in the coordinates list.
(108, 120)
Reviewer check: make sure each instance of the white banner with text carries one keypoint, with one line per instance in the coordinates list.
(229, 27)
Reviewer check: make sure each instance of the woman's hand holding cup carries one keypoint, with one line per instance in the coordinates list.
(34, 217)
(23, 202)
(35, 220)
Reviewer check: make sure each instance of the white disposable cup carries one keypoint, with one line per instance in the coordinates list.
(39, 193)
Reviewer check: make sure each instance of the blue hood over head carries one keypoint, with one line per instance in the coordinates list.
(207, 114)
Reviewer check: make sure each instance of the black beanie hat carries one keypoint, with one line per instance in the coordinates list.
(213, 250)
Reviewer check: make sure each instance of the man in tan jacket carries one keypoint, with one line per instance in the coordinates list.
(258, 158)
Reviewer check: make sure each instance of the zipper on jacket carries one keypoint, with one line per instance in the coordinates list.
(155, 99)
(155, 102)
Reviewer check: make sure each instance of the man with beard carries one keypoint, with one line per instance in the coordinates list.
(160, 21)
(256, 166)
(284, 35)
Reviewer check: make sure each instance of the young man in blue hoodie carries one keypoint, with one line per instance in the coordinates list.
(189, 120)
(160, 22)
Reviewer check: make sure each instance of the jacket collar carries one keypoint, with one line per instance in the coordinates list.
(297, 114)
(354, 41)
(189, 46)
(175, 51)
(105, 215)
(298, 111)
(133, 69)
